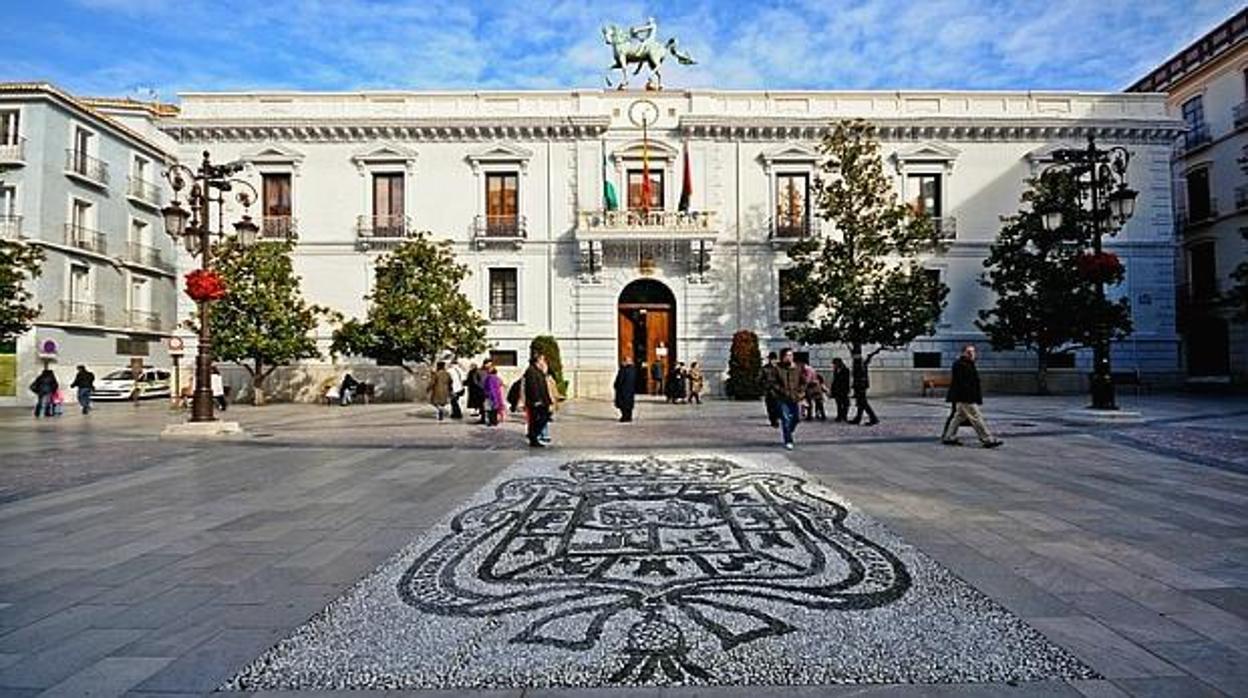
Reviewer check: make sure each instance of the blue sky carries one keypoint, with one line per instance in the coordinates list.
(127, 47)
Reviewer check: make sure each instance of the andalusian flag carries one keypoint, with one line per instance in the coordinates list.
(610, 200)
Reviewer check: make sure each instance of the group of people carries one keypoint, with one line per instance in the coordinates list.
(50, 401)
(535, 392)
(683, 385)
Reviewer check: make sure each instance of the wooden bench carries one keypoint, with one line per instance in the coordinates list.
(931, 381)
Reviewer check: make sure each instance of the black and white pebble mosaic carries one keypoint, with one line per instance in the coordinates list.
(648, 571)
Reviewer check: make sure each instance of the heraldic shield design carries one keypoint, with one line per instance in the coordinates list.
(680, 550)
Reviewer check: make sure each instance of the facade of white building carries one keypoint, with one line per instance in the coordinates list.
(515, 181)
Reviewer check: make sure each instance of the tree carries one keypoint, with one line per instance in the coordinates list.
(1045, 281)
(745, 367)
(262, 322)
(416, 310)
(863, 285)
(549, 347)
(19, 266)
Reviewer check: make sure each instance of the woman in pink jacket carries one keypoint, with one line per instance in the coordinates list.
(493, 388)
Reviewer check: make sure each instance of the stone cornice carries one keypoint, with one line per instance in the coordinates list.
(938, 129)
(389, 129)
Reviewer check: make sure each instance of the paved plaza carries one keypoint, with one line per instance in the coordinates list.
(684, 554)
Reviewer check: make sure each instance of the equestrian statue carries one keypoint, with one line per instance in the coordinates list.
(640, 45)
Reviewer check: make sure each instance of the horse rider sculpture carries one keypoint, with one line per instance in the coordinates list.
(640, 46)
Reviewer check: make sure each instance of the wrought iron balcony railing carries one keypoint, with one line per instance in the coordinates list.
(145, 320)
(496, 226)
(1239, 114)
(10, 227)
(83, 165)
(13, 152)
(787, 229)
(144, 191)
(381, 232)
(149, 256)
(82, 312)
(643, 224)
(85, 238)
(1196, 137)
(278, 228)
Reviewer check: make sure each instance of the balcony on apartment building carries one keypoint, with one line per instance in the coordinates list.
(146, 320)
(85, 167)
(149, 256)
(279, 228)
(1195, 137)
(510, 229)
(81, 312)
(1241, 197)
(85, 238)
(143, 192)
(786, 230)
(646, 225)
(382, 232)
(13, 153)
(10, 227)
(1194, 218)
(1239, 114)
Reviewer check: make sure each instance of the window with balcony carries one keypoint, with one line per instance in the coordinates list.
(10, 222)
(637, 189)
(80, 231)
(10, 120)
(276, 218)
(79, 306)
(1199, 200)
(1202, 265)
(789, 311)
(388, 206)
(792, 205)
(1194, 118)
(82, 150)
(141, 186)
(502, 204)
(504, 295)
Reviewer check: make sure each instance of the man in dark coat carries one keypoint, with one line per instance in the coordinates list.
(965, 397)
(84, 382)
(860, 383)
(769, 395)
(840, 389)
(626, 389)
(44, 386)
(789, 387)
(476, 394)
(536, 399)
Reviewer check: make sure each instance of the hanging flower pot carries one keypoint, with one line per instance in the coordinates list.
(1103, 267)
(204, 285)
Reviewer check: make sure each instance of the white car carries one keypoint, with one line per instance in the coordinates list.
(121, 385)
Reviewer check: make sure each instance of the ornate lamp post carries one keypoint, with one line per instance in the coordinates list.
(1101, 178)
(208, 185)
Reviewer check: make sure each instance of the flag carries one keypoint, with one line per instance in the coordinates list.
(610, 200)
(686, 186)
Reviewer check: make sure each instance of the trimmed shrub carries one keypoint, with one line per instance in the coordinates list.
(745, 367)
(546, 345)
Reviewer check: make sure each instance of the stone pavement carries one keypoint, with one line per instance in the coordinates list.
(128, 564)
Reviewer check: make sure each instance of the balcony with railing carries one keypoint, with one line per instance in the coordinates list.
(143, 192)
(509, 229)
(1196, 137)
(646, 225)
(382, 232)
(146, 320)
(278, 228)
(786, 230)
(13, 153)
(148, 256)
(10, 227)
(86, 168)
(1239, 114)
(82, 313)
(85, 238)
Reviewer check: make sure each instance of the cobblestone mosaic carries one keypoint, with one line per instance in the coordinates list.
(647, 571)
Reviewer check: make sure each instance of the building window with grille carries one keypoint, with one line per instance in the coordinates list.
(504, 295)
(637, 190)
(792, 205)
(388, 206)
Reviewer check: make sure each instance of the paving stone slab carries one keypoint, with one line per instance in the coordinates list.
(597, 571)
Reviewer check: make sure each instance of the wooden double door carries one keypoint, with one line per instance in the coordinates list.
(647, 333)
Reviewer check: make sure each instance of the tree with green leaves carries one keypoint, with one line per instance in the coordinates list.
(863, 284)
(416, 310)
(263, 322)
(745, 367)
(19, 266)
(548, 346)
(1045, 281)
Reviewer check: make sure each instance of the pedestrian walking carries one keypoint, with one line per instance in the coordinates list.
(475, 383)
(346, 391)
(457, 387)
(816, 389)
(492, 396)
(440, 389)
(809, 377)
(964, 398)
(625, 389)
(536, 399)
(840, 389)
(217, 383)
(769, 397)
(860, 383)
(789, 386)
(84, 383)
(697, 382)
(44, 386)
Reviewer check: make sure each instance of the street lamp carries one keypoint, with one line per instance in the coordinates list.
(209, 185)
(1094, 169)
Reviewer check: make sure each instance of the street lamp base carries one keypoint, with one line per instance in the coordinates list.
(204, 430)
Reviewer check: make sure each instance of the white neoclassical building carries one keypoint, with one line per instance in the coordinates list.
(515, 180)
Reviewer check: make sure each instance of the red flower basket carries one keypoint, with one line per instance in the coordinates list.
(203, 285)
(1101, 267)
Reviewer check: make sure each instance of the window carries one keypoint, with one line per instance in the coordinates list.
(79, 284)
(788, 310)
(503, 295)
(139, 169)
(82, 151)
(927, 359)
(1199, 205)
(924, 192)
(140, 294)
(275, 191)
(80, 232)
(388, 210)
(1194, 112)
(636, 190)
(139, 233)
(792, 204)
(502, 203)
(1202, 264)
(504, 357)
(9, 123)
(8, 211)
(128, 347)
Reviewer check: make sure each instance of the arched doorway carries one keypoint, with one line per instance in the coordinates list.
(647, 331)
